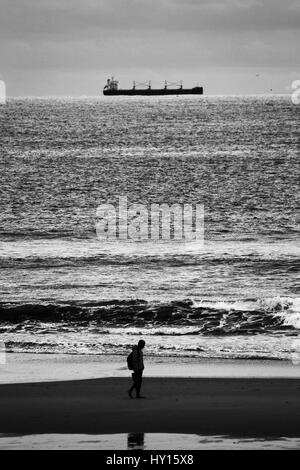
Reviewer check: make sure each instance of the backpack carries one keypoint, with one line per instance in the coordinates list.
(130, 361)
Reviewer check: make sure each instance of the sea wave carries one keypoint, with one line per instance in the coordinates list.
(213, 317)
(280, 262)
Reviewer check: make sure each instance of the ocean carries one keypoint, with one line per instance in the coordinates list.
(62, 290)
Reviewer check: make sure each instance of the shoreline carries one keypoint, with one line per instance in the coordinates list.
(35, 368)
(241, 407)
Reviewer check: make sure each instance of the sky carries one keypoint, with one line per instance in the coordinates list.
(70, 47)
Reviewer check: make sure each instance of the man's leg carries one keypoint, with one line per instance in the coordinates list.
(139, 382)
(133, 386)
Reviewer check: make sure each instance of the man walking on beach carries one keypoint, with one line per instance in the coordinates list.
(138, 368)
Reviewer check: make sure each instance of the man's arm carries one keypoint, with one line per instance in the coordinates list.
(135, 359)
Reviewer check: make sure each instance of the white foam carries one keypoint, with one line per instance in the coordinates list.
(291, 317)
(269, 304)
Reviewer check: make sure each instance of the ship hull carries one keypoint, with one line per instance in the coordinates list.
(153, 92)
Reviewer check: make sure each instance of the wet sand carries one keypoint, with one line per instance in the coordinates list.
(28, 368)
(242, 407)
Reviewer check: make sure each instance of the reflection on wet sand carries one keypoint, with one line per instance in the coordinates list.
(136, 441)
(140, 441)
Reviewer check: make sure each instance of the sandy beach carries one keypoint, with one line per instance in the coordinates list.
(32, 368)
(213, 406)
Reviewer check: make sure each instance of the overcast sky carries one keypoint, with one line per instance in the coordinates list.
(70, 47)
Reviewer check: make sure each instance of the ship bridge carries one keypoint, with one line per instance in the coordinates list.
(112, 84)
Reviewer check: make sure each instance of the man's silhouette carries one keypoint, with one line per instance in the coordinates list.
(138, 367)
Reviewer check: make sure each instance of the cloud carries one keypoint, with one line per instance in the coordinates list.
(73, 18)
(71, 37)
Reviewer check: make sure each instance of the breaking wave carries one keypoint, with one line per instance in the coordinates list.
(247, 317)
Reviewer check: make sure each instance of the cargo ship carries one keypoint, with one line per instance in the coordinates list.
(145, 89)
